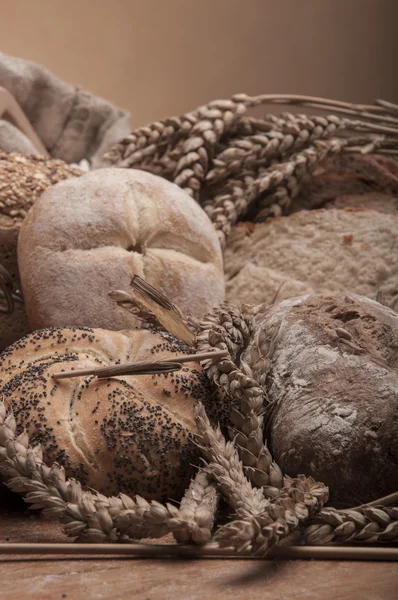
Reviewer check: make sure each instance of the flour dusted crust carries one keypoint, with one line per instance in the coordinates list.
(323, 251)
(124, 434)
(332, 392)
(91, 235)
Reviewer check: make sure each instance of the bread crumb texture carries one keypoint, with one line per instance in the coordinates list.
(322, 251)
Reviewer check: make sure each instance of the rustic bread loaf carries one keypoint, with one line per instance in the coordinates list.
(323, 251)
(350, 180)
(90, 235)
(380, 201)
(332, 392)
(124, 434)
(22, 179)
(335, 190)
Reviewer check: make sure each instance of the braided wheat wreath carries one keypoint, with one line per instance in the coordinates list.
(265, 505)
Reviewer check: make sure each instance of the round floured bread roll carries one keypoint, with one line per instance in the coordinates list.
(332, 389)
(321, 251)
(128, 434)
(22, 179)
(88, 236)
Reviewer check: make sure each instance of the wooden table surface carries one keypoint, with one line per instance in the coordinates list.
(42, 578)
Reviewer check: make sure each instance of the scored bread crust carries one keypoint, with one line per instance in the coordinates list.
(320, 251)
(87, 236)
(130, 434)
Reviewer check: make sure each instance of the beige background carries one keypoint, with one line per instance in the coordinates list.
(164, 57)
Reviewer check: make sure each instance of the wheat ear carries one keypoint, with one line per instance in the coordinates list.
(227, 328)
(198, 510)
(289, 134)
(233, 163)
(90, 516)
(283, 516)
(261, 523)
(369, 524)
(233, 203)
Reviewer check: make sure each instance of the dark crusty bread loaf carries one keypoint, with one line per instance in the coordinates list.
(332, 391)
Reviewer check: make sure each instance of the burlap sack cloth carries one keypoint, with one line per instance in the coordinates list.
(72, 123)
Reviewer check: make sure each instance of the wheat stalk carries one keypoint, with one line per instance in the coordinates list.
(380, 112)
(369, 524)
(167, 551)
(221, 334)
(90, 516)
(84, 514)
(291, 508)
(233, 163)
(227, 328)
(292, 134)
(224, 465)
(226, 209)
(198, 510)
(268, 505)
(179, 148)
(216, 120)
